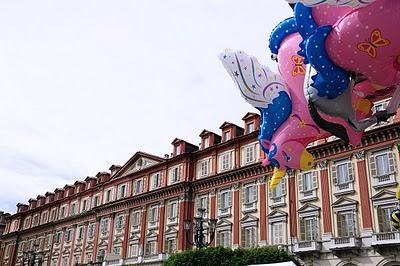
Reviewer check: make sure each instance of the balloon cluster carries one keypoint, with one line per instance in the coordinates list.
(335, 58)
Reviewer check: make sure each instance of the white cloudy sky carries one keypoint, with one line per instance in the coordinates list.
(85, 84)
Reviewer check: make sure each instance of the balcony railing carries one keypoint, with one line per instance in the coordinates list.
(277, 201)
(307, 246)
(344, 188)
(308, 195)
(385, 180)
(345, 243)
(387, 238)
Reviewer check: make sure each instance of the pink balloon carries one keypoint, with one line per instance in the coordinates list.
(367, 41)
(293, 136)
(328, 15)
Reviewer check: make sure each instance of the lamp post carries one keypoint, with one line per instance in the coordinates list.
(199, 236)
(31, 256)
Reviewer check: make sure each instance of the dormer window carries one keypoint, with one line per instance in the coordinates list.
(249, 127)
(206, 143)
(177, 150)
(227, 135)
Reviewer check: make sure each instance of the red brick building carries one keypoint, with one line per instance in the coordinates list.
(335, 214)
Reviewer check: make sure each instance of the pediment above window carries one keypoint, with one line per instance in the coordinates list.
(277, 216)
(309, 210)
(344, 204)
(384, 197)
(138, 162)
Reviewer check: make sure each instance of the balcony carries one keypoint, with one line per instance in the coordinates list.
(344, 188)
(277, 201)
(309, 195)
(345, 243)
(385, 180)
(386, 239)
(307, 246)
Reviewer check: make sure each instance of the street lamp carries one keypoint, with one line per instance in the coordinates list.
(199, 236)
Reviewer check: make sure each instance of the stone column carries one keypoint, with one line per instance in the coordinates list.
(236, 215)
(161, 228)
(325, 198)
(366, 213)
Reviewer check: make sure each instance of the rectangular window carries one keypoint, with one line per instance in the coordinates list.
(138, 186)
(27, 222)
(80, 232)
(91, 230)
(343, 173)
(53, 215)
(136, 218)
(170, 245)
(382, 164)
(178, 150)
(206, 143)
(204, 168)
(44, 218)
(151, 248)
(175, 174)
(250, 193)
(57, 239)
(307, 182)
(156, 180)
(308, 229)
(108, 196)
(73, 209)
(104, 226)
(172, 211)
(133, 250)
(35, 219)
(249, 154)
(119, 224)
(122, 189)
(224, 202)
(116, 251)
(225, 161)
(96, 201)
(153, 214)
(250, 127)
(84, 206)
(227, 135)
(278, 233)
(224, 239)
(346, 224)
(384, 219)
(249, 237)
(68, 235)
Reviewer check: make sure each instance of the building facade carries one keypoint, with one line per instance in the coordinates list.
(335, 214)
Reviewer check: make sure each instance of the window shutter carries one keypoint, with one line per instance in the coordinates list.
(180, 172)
(372, 166)
(244, 195)
(283, 182)
(381, 219)
(198, 169)
(315, 179)
(219, 201)
(302, 229)
(257, 151)
(232, 154)
(340, 224)
(350, 168)
(169, 211)
(243, 237)
(270, 193)
(210, 165)
(242, 156)
(300, 182)
(198, 204)
(147, 248)
(219, 163)
(254, 188)
(334, 174)
(392, 162)
(230, 199)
